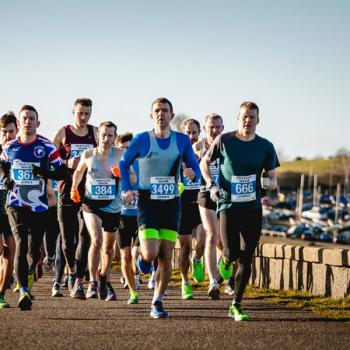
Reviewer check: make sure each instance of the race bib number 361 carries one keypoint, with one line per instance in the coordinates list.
(103, 189)
(22, 173)
(163, 187)
(243, 188)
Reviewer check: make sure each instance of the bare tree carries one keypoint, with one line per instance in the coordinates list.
(177, 121)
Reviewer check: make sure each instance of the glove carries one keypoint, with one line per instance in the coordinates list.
(115, 171)
(74, 195)
(215, 193)
(38, 171)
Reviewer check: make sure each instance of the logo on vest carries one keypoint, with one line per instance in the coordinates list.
(39, 152)
(151, 154)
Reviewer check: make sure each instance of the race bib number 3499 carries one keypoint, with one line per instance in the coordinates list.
(163, 187)
(243, 188)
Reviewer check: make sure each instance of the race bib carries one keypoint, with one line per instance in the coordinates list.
(243, 188)
(163, 187)
(21, 173)
(191, 185)
(132, 204)
(103, 189)
(214, 172)
(76, 149)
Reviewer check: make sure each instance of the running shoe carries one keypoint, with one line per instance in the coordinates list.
(230, 287)
(138, 281)
(225, 268)
(102, 290)
(31, 277)
(152, 280)
(17, 288)
(48, 264)
(214, 291)
(71, 282)
(25, 301)
(198, 270)
(92, 290)
(78, 291)
(123, 282)
(186, 291)
(157, 310)
(110, 293)
(3, 303)
(236, 312)
(134, 298)
(56, 290)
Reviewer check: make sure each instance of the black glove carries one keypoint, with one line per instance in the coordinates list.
(5, 167)
(215, 193)
(38, 171)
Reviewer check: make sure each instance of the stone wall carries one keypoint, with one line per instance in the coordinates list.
(319, 271)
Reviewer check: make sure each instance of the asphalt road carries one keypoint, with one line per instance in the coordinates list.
(64, 323)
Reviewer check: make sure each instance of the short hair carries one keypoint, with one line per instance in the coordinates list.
(250, 106)
(162, 100)
(86, 102)
(125, 137)
(109, 124)
(29, 108)
(7, 119)
(191, 121)
(213, 116)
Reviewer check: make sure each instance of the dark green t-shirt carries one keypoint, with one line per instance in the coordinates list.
(241, 165)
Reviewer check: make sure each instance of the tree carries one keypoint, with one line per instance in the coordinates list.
(177, 121)
(342, 153)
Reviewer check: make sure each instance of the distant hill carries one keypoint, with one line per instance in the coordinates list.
(329, 172)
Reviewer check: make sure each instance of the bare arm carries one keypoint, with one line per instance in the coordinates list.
(80, 170)
(273, 179)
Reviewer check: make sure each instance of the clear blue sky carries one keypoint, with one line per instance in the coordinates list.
(291, 57)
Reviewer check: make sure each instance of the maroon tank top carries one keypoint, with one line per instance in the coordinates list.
(73, 147)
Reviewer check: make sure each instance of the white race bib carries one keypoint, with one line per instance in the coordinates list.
(103, 189)
(22, 174)
(243, 188)
(163, 187)
(76, 149)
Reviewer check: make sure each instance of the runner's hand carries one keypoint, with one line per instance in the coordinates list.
(215, 193)
(74, 195)
(128, 196)
(73, 162)
(115, 171)
(188, 172)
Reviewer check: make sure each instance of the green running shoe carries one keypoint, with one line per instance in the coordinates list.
(134, 298)
(198, 270)
(225, 269)
(186, 292)
(3, 303)
(236, 312)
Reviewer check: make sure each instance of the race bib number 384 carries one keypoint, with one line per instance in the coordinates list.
(243, 188)
(163, 187)
(103, 189)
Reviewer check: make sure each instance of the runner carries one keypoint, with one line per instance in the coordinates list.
(243, 156)
(213, 126)
(101, 204)
(127, 232)
(72, 140)
(30, 155)
(159, 152)
(190, 217)
(8, 127)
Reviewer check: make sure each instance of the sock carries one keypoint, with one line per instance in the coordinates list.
(134, 294)
(23, 290)
(157, 297)
(235, 303)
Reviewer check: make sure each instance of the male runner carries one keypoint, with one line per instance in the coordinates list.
(213, 126)
(72, 140)
(160, 153)
(190, 217)
(8, 129)
(29, 155)
(127, 232)
(243, 156)
(101, 204)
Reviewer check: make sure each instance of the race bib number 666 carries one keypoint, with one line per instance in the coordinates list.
(243, 188)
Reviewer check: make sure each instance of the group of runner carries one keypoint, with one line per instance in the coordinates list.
(145, 192)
